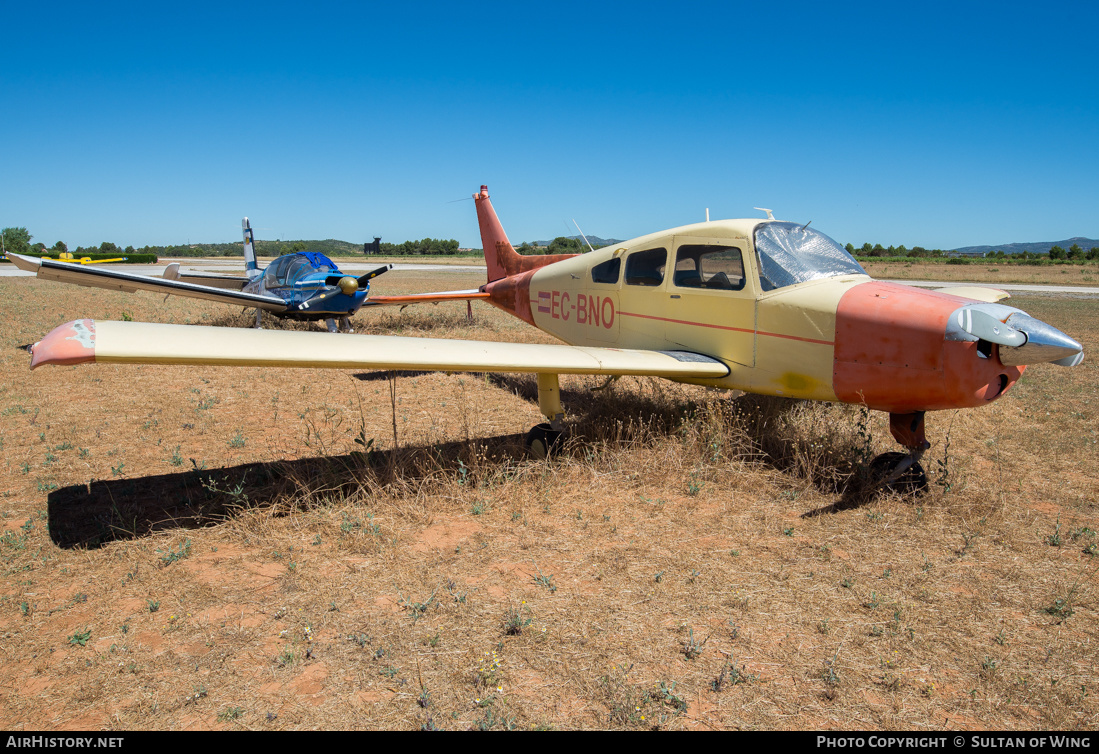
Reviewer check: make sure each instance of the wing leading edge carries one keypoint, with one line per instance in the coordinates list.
(142, 343)
(127, 281)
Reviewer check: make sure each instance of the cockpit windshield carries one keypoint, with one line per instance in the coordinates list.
(790, 253)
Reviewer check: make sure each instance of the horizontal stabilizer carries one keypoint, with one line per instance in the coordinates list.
(427, 298)
(142, 343)
(225, 282)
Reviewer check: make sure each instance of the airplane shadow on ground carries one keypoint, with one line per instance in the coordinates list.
(524, 386)
(849, 500)
(104, 511)
(386, 375)
(91, 515)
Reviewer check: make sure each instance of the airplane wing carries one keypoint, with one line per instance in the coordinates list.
(127, 281)
(976, 292)
(86, 340)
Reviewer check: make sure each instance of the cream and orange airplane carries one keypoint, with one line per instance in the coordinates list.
(761, 306)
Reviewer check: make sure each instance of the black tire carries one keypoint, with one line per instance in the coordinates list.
(913, 480)
(543, 440)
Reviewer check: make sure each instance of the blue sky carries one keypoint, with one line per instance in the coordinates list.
(933, 124)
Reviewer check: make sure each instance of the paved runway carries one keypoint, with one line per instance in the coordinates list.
(235, 265)
(230, 265)
(1009, 287)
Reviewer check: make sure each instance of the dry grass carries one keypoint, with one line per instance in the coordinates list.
(988, 272)
(189, 548)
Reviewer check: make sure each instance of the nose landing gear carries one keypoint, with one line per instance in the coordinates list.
(902, 472)
(344, 326)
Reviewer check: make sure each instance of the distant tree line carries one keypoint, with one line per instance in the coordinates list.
(1074, 252)
(877, 250)
(425, 246)
(559, 245)
(18, 241)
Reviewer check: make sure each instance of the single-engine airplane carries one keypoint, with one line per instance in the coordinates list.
(762, 306)
(305, 285)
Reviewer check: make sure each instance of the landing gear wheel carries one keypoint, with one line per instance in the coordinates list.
(912, 479)
(543, 440)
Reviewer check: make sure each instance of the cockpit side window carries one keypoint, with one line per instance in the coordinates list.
(607, 272)
(275, 274)
(706, 266)
(297, 269)
(646, 267)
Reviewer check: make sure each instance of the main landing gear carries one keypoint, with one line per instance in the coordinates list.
(546, 438)
(902, 472)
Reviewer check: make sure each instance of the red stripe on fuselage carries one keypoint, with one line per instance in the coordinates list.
(726, 327)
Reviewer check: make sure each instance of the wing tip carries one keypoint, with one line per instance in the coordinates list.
(27, 264)
(70, 343)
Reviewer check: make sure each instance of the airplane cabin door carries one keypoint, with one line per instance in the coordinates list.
(712, 299)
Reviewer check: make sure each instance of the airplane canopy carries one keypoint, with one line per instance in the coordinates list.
(790, 253)
(320, 262)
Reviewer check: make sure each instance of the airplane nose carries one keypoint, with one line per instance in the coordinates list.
(348, 285)
(1022, 338)
(900, 349)
(1044, 343)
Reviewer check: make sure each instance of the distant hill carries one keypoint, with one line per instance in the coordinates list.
(329, 246)
(593, 240)
(1036, 247)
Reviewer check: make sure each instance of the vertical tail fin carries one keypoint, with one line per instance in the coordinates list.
(498, 249)
(251, 269)
(501, 258)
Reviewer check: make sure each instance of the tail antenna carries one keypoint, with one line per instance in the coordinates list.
(583, 236)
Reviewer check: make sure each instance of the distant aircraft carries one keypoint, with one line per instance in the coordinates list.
(67, 256)
(762, 306)
(305, 285)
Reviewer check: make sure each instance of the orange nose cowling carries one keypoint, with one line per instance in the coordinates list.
(892, 354)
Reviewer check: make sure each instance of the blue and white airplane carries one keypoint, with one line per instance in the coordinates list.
(305, 285)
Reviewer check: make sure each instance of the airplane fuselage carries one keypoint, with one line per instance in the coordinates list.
(299, 279)
(840, 337)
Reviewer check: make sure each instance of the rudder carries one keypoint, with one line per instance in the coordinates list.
(501, 258)
(251, 269)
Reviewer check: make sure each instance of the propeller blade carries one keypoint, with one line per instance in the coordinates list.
(335, 279)
(371, 275)
(318, 301)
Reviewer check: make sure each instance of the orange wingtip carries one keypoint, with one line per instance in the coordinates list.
(71, 343)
